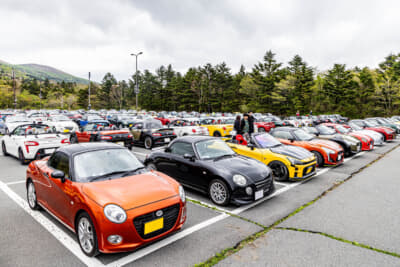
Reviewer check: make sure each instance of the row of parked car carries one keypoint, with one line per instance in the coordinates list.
(88, 180)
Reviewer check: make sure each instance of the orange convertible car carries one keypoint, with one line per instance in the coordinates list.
(106, 196)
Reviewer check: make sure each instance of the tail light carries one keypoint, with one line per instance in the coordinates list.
(30, 143)
(224, 128)
(156, 134)
(173, 133)
(193, 130)
(130, 136)
(65, 141)
(106, 137)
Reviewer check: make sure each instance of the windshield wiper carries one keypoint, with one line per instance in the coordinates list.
(133, 171)
(106, 175)
(223, 156)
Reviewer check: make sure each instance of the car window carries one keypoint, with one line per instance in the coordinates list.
(63, 164)
(180, 148)
(282, 134)
(54, 160)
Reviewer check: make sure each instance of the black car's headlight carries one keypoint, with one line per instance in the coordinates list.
(115, 213)
(239, 179)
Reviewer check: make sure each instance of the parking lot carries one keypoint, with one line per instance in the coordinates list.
(35, 238)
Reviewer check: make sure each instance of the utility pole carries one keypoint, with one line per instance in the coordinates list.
(137, 81)
(40, 95)
(15, 95)
(89, 106)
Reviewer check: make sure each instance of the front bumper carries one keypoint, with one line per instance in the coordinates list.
(298, 172)
(240, 197)
(132, 229)
(334, 159)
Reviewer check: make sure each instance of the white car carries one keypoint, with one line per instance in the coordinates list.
(378, 137)
(12, 122)
(183, 127)
(32, 141)
(62, 124)
(37, 117)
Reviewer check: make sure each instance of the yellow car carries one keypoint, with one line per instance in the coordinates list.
(217, 130)
(286, 162)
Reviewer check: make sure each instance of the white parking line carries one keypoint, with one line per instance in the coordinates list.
(71, 244)
(207, 204)
(17, 182)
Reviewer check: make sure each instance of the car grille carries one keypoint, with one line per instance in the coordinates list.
(170, 215)
(69, 128)
(306, 172)
(264, 184)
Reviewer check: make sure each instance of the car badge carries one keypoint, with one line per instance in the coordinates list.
(159, 213)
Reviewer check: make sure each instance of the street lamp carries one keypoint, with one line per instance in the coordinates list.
(137, 82)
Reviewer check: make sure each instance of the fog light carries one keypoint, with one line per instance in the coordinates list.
(249, 190)
(114, 239)
(183, 216)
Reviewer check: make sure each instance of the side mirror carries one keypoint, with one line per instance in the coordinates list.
(167, 149)
(291, 140)
(251, 146)
(189, 157)
(317, 134)
(57, 174)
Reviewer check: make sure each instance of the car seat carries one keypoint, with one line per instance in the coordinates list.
(240, 140)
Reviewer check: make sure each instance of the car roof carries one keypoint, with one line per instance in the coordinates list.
(87, 147)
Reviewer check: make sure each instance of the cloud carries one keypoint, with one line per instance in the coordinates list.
(98, 36)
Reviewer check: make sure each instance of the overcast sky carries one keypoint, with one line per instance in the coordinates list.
(78, 36)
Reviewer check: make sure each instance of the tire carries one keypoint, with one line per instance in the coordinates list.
(73, 139)
(151, 166)
(217, 134)
(148, 142)
(219, 192)
(21, 157)
(261, 130)
(31, 196)
(86, 235)
(279, 171)
(319, 157)
(3, 147)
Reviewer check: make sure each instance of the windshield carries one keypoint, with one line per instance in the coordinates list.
(213, 148)
(342, 129)
(383, 121)
(303, 135)
(325, 130)
(17, 119)
(33, 129)
(93, 117)
(153, 124)
(371, 123)
(60, 118)
(356, 127)
(266, 140)
(95, 126)
(311, 130)
(89, 165)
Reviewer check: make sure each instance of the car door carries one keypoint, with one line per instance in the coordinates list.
(136, 131)
(16, 139)
(84, 136)
(60, 198)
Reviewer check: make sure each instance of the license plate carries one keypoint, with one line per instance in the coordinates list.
(154, 225)
(259, 194)
(66, 131)
(49, 151)
(120, 143)
(167, 140)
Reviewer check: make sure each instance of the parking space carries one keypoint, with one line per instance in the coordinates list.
(208, 230)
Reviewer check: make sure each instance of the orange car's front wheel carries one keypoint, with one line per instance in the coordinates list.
(86, 234)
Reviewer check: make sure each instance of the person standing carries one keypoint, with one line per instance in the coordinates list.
(251, 122)
(237, 125)
(298, 113)
(245, 127)
(311, 112)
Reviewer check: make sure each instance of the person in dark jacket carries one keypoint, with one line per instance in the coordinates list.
(251, 122)
(245, 127)
(237, 125)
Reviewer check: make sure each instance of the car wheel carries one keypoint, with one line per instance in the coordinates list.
(3, 147)
(73, 139)
(21, 156)
(31, 196)
(151, 166)
(148, 142)
(217, 134)
(86, 235)
(319, 157)
(279, 171)
(261, 130)
(219, 192)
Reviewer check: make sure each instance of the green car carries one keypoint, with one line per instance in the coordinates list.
(386, 123)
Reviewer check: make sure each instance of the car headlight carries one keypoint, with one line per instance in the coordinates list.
(364, 139)
(294, 161)
(115, 213)
(182, 194)
(387, 131)
(239, 180)
(328, 151)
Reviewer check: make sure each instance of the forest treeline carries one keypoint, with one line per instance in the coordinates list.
(269, 86)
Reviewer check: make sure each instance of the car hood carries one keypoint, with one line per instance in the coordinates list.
(326, 143)
(250, 168)
(292, 151)
(131, 191)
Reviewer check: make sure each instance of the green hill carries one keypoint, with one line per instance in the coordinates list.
(40, 72)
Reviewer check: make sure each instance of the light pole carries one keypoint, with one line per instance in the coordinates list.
(14, 89)
(136, 82)
(89, 106)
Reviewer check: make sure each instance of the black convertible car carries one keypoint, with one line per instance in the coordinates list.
(209, 165)
(151, 133)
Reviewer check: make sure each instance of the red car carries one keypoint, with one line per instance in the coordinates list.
(263, 126)
(102, 131)
(367, 143)
(165, 120)
(388, 133)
